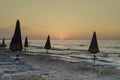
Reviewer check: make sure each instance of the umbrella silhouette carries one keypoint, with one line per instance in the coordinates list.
(48, 44)
(26, 43)
(3, 43)
(93, 48)
(16, 42)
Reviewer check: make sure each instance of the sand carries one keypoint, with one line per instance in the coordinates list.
(56, 69)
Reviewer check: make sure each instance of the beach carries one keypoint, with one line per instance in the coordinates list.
(53, 68)
(60, 40)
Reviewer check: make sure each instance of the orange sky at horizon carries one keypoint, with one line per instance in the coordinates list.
(61, 19)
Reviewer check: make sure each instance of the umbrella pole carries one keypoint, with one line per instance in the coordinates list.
(46, 55)
(25, 49)
(94, 58)
(17, 56)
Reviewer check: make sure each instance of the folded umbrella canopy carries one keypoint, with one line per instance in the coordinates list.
(26, 43)
(48, 45)
(16, 42)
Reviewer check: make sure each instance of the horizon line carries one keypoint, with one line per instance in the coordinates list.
(64, 39)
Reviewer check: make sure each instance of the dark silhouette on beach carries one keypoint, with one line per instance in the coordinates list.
(26, 43)
(3, 43)
(48, 44)
(94, 46)
(16, 42)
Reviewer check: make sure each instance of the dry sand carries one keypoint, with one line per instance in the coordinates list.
(60, 70)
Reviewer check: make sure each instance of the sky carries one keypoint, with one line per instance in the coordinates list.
(61, 19)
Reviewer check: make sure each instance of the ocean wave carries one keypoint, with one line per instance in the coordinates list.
(103, 52)
(82, 45)
(59, 49)
(39, 47)
(113, 47)
(34, 48)
(117, 47)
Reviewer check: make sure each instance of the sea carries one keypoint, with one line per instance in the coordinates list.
(77, 50)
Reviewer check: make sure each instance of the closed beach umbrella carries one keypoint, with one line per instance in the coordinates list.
(3, 43)
(94, 46)
(48, 45)
(26, 43)
(16, 42)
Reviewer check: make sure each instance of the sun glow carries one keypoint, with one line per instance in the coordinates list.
(61, 19)
(61, 36)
